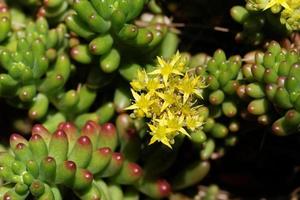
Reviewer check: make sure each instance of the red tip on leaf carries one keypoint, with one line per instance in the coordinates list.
(290, 114)
(281, 81)
(90, 128)
(38, 128)
(84, 141)
(108, 129)
(7, 197)
(3, 8)
(276, 128)
(15, 137)
(105, 150)
(135, 169)
(93, 48)
(41, 12)
(59, 134)
(251, 108)
(70, 165)
(269, 87)
(74, 52)
(131, 132)
(88, 175)
(163, 187)
(20, 146)
(66, 126)
(118, 157)
(70, 129)
(35, 137)
(93, 123)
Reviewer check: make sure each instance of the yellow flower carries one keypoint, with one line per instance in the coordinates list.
(188, 109)
(160, 133)
(189, 86)
(140, 82)
(294, 3)
(181, 63)
(194, 122)
(169, 98)
(156, 108)
(165, 69)
(153, 84)
(176, 123)
(283, 3)
(142, 103)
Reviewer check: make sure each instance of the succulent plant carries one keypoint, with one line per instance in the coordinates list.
(5, 21)
(262, 83)
(37, 69)
(257, 25)
(260, 86)
(273, 78)
(196, 106)
(26, 59)
(114, 40)
(253, 23)
(288, 10)
(82, 160)
(54, 10)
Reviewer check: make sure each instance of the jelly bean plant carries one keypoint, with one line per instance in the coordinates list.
(109, 104)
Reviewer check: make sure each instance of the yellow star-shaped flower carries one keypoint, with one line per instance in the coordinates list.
(194, 122)
(153, 84)
(160, 133)
(142, 103)
(140, 82)
(176, 123)
(168, 98)
(165, 68)
(189, 86)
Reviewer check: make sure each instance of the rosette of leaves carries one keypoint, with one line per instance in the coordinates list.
(264, 82)
(35, 70)
(113, 40)
(272, 83)
(83, 161)
(33, 66)
(220, 101)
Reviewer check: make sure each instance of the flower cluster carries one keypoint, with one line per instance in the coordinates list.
(168, 96)
(289, 10)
